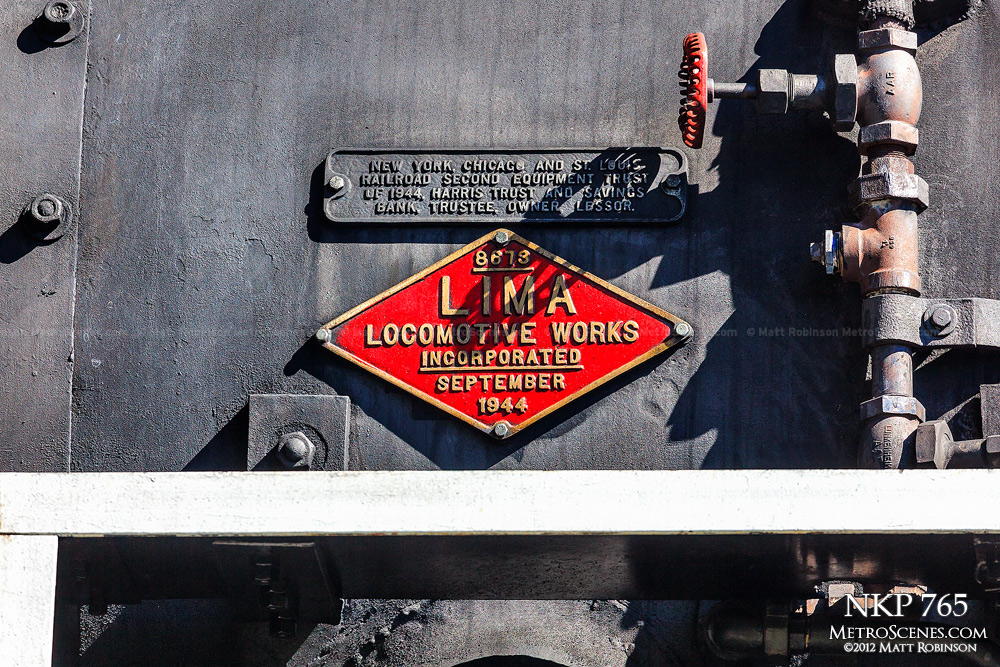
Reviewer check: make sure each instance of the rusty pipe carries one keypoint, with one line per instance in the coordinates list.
(880, 252)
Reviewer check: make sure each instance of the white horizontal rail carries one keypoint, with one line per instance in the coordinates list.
(495, 502)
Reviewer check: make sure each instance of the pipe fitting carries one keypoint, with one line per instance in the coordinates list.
(881, 252)
(882, 38)
(906, 406)
(903, 136)
(887, 442)
(889, 87)
(893, 163)
(899, 12)
(881, 186)
(844, 110)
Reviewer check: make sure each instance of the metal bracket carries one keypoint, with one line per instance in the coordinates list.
(931, 323)
(320, 424)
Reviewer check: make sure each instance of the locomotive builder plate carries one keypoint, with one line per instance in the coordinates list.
(613, 185)
(501, 333)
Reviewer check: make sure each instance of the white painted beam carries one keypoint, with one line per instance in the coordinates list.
(27, 599)
(494, 502)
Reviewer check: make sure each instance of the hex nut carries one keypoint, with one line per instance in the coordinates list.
(845, 92)
(502, 237)
(501, 429)
(870, 40)
(772, 91)
(892, 132)
(932, 439)
(889, 404)
(880, 186)
(48, 216)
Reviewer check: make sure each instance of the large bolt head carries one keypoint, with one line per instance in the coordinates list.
(295, 450)
(772, 91)
(933, 443)
(845, 92)
(940, 319)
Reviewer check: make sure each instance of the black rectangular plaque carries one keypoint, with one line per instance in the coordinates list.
(612, 185)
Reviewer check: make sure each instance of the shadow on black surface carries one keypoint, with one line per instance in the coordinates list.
(228, 449)
(17, 241)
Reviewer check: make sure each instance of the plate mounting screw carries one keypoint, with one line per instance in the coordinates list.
(502, 237)
(60, 22)
(50, 216)
(501, 429)
(323, 335)
(337, 182)
(682, 329)
(47, 208)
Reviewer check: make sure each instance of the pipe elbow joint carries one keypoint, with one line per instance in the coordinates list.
(881, 251)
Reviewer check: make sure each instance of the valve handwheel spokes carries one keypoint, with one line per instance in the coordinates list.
(694, 88)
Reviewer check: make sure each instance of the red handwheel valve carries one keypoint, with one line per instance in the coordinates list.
(694, 88)
(776, 91)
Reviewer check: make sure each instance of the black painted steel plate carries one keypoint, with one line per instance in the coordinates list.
(613, 185)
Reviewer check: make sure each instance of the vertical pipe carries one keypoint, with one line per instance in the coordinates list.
(885, 437)
(882, 253)
(892, 370)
